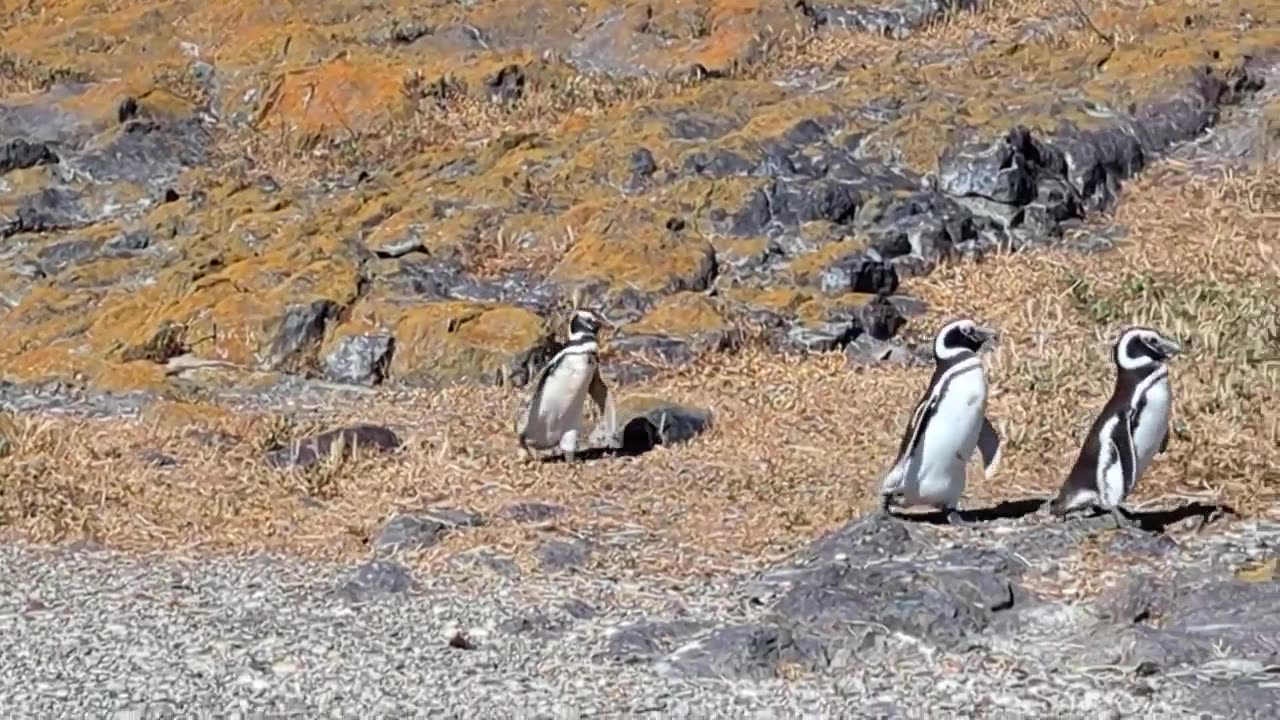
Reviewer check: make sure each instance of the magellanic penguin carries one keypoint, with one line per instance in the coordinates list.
(948, 424)
(1132, 427)
(553, 416)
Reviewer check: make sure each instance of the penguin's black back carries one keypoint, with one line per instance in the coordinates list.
(1083, 475)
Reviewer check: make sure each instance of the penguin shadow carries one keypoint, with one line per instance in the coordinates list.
(1006, 510)
(638, 437)
(1158, 521)
(1152, 521)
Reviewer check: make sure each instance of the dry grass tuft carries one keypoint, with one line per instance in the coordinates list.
(798, 444)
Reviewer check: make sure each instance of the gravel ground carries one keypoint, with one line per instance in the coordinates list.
(94, 634)
(100, 635)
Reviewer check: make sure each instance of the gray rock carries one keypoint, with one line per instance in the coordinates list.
(360, 359)
(849, 593)
(745, 651)
(456, 518)
(48, 210)
(867, 350)
(531, 512)
(129, 241)
(146, 152)
(373, 580)
(487, 561)
(1002, 171)
(313, 450)
(579, 609)
(644, 427)
(422, 530)
(556, 555)
(647, 640)
(300, 331)
(57, 257)
(1188, 619)
(861, 272)
(893, 18)
(155, 458)
(18, 154)
(822, 337)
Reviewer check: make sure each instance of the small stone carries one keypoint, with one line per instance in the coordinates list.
(556, 555)
(375, 579)
(360, 359)
(154, 458)
(461, 641)
(579, 609)
(531, 512)
(313, 450)
(415, 532)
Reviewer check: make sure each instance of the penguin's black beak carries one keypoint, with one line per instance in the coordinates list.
(1166, 347)
(985, 336)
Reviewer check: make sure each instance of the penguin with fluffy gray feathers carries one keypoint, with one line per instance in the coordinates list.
(553, 416)
(948, 425)
(1129, 431)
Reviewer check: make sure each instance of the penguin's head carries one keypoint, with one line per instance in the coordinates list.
(586, 323)
(1139, 347)
(962, 336)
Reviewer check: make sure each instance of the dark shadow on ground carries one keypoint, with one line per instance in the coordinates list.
(1158, 520)
(1154, 521)
(1007, 510)
(639, 436)
(594, 454)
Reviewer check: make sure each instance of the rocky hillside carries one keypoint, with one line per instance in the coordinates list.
(244, 235)
(406, 192)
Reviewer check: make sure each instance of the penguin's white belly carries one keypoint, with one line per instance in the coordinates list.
(1110, 472)
(948, 443)
(560, 405)
(1152, 424)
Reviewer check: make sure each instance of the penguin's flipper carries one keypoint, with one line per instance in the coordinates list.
(989, 446)
(603, 400)
(1118, 455)
(525, 418)
(919, 422)
(1129, 451)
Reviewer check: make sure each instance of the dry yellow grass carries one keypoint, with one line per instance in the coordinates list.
(798, 446)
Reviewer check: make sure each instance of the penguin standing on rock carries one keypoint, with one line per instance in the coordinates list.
(553, 416)
(948, 424)
(1132, 427)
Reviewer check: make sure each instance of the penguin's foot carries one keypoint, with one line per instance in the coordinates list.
(886, 502)
(1122, 520)
(569, 445)
(954, 517)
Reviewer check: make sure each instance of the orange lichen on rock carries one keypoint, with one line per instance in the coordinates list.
(681, 315)
(340, 95)
(446, 342)
(806, 270)
(478, 143)
(632, 248)
(137, 375)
